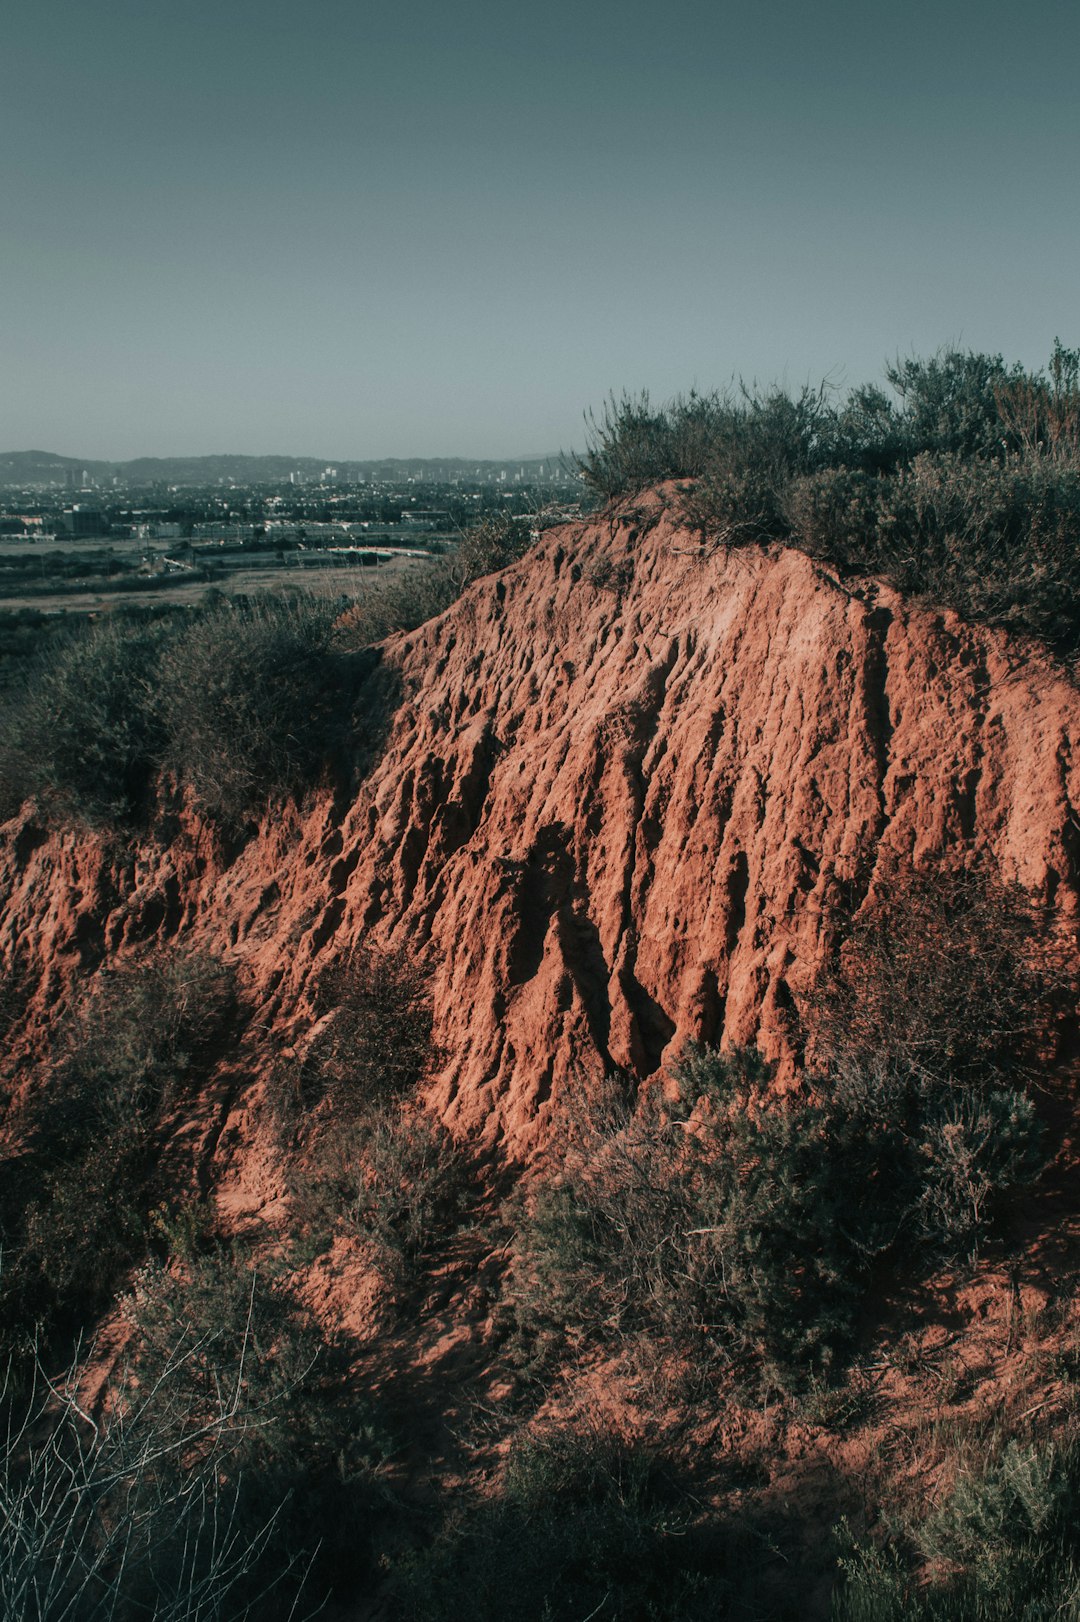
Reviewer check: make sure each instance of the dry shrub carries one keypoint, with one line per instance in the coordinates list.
(365, 1158)
(77, 1196)
(398, 602)
(948, 973)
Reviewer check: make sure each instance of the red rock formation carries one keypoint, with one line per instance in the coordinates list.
(627, 787)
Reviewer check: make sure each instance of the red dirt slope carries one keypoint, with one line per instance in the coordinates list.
(628, 786)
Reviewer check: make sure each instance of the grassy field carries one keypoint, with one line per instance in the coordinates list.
(310, 572)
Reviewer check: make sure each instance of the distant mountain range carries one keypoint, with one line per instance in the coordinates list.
(46, 467)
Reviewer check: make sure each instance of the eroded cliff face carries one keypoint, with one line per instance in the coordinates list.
(627, 790)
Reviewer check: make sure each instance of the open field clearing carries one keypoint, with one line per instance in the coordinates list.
(306, 571)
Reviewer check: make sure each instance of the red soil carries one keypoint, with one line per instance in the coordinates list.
(629, 785)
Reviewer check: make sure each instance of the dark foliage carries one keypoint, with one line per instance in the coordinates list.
(244, 1373)
(364, 1156)
(249, 704)
(586, 1524)
(83, 730)
(246, 702)
(378, 1044)
(78, 1195)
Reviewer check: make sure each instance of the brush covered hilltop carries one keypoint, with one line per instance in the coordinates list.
(549, 1089)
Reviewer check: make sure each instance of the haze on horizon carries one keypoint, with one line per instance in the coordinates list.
(359, 231)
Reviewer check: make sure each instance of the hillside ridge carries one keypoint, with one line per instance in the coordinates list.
(632, 787)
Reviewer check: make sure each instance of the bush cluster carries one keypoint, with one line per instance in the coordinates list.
(364, 1156)
(77, 1196)
(962, 485)
(241, 703)
(745, 1229)
(390, 1175)
(584, 1524)
(1003, 1545)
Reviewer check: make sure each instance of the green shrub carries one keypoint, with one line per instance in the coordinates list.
(1042, 413)
(245, 702)
(248, 702)
(584, 1524)
(79, 1191)
(730, 1229)
(950, 973)
(742, 447)
(746, 1226)
(995, 540)
(963, 487)
(950, 403)
(82, 732)
(1004, 1545)
(364, 1157)
(248, 1379)
(378, 1043)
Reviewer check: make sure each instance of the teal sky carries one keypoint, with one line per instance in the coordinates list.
(357, 230)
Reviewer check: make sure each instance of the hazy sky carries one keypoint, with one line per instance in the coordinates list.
(443, 227)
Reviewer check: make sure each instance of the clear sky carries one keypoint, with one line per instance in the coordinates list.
(446, 227)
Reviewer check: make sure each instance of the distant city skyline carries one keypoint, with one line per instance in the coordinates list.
(357, 232)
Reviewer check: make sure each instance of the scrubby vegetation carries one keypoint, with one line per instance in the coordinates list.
(231, 1475)
(400, 602)
(227, 1363)
(961, 485)
(721, 1248)
(365, 1158)
(75, 1210)
(242, 703)
(1003, 1545)
(587, 1523)
(249, 703)
(84, 731)
(746, 1228)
